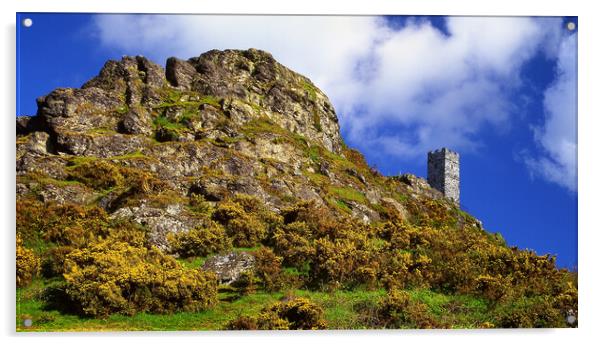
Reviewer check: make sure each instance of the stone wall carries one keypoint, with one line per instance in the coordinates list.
(444, 172)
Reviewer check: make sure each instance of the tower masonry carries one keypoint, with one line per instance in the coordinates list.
(444, 172)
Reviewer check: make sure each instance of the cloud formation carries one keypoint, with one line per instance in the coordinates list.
(397, 90)
(557, 136)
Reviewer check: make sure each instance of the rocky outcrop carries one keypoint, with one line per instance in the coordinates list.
(222, 123)
(159, 220)
(229, 267)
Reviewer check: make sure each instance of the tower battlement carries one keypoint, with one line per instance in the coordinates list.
(444, 172)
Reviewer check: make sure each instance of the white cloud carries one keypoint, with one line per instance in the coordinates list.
(557, 137)
(397, 91)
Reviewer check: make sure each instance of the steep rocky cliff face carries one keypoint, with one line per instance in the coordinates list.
(222, 123)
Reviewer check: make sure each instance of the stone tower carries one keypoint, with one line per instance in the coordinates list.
(444, 172)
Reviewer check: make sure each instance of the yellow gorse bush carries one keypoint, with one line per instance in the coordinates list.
(115, 277)
(27, 264)
(200, 241)
(295, 314)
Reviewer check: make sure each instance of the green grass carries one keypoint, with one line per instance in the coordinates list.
(162, 121)
(79, 160)
(314, 154)
(194, 262)
(174, 98)
(338, 204)
(315, 178)
(123, 109)
(340, 306)
(212, 319)
(263, 125)
(343, 309)
(101, 131)
(310, 89)
(461, 311)
(348, 193)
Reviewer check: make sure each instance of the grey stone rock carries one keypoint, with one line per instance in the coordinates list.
(392, 203)
(136, 122)
(73, 194)
(325, 170)
(229, 267)
(362, 212)
(38, 143)
(356, 174)
(99, 145)
(22, 122)
(179, 73)
(373, 196)
(159, 221)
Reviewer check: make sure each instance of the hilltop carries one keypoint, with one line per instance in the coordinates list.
(135, 190)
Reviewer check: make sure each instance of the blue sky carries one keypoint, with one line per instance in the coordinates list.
(499, 90)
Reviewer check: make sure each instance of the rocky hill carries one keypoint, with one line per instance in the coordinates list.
(232, 152)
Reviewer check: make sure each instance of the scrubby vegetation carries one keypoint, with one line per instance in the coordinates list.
(115, 277)
(296, 314)
(27, 264)
(200, 241)
(105, 266)
(116, 222)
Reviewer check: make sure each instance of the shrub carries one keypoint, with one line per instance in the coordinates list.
(345, 257)
(334, 262)
(397, 310)
(295, 314)
(265, 321)
(200, 241)
(198, 204)
(29, 218)
(268, 269)
(115, 277)
(64, 224)
(403, 269)
(242, 224)
(97, 174)
(53, 264)
(567, 299)
(301, 313)
(27, 264)
(494, 288)
(73, 225)
(142, 182)
(306, 212)
(293, 242)
(525, 312)
(246, 283)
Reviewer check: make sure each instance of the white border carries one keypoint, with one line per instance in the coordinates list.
(590, 239)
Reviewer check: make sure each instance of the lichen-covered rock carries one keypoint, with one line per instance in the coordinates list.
(419, 186)
(394, 204)
(136, 121)
(179, 73)
(35, 143)
(69, 193)
(229, 267)
(79, 109)
(220, 124)
(159, 221)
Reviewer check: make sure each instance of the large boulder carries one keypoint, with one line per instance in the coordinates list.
(229, 267)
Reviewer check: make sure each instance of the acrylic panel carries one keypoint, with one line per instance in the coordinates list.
(215, 172)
